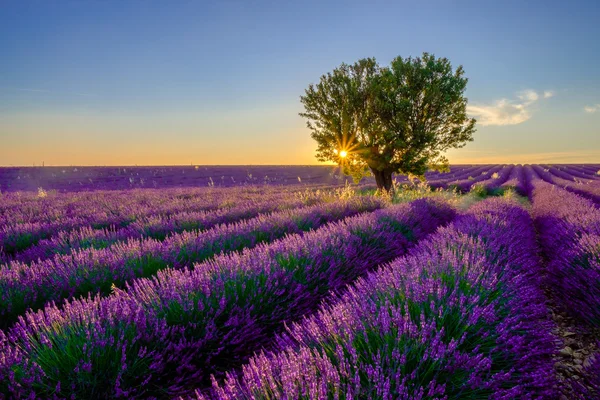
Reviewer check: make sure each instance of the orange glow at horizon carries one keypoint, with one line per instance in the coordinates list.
(180, 153)
(184, 138)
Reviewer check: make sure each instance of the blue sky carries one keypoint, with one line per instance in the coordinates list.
(148, 82)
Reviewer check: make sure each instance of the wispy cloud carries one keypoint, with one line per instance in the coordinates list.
(591, 109)
(508, 112)
(528, 96)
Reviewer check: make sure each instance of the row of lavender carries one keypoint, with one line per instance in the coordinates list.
(528, 177)
(66, 218)
(589, 188)
(102, 207)
(569, 232)
(463, 316)
(125, 178)
(26, 219)
(23, 223)
(388, 336)
(488, 180)
(36, 207)
(569, 227)
(24, 286)
(156, 226)
(96, 219)
(163, 335)
(27, 207)
(33, 228)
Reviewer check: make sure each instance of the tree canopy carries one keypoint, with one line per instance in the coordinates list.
(399, 118)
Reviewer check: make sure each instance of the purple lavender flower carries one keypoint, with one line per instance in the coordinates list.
(89, 271)
(463, 316)
(161, 334)
(569, 228)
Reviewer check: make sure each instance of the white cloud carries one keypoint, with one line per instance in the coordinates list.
(528, 96)
(501, 112)
(507, 112)
(591, 109)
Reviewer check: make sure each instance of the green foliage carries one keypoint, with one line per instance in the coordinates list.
(394, 119)
(479, 190)
(20, 242)
(403, 193)
(108, 363)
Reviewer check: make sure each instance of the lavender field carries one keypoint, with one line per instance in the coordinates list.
(294, 283)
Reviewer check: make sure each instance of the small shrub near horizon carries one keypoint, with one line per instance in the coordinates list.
(479, 190)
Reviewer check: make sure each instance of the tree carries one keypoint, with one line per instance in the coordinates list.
(384, 120)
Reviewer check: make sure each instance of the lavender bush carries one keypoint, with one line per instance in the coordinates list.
(157, 226)
(24, 223)
(443, 180)
(163, 334)
(25, 286)
(516, 181)
(462, 317)
(493, 185)
(580, 173)
(569, 228)
(464, 185)
(588, 189)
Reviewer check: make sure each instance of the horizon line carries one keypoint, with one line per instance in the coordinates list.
(264, 165)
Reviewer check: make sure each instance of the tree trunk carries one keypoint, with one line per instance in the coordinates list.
(383, 179)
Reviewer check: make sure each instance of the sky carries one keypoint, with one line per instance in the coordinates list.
(133, 82)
